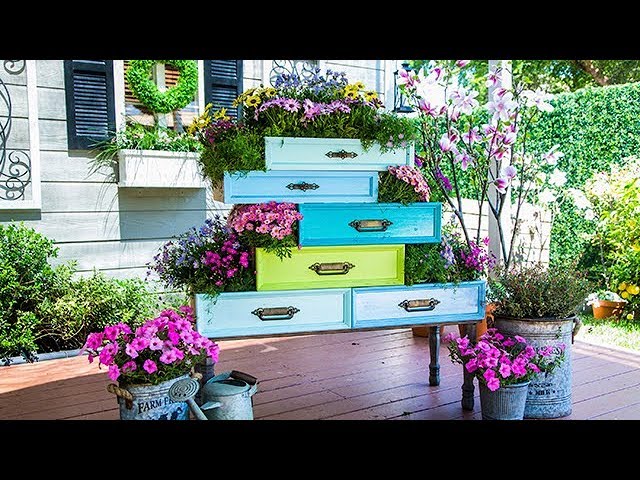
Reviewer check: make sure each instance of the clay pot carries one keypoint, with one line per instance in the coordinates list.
(606, 309)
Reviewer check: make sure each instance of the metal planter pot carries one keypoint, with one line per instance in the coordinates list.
(150, 402)
(549, 395)
(506, 403)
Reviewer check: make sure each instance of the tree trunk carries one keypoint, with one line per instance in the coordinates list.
(587, 66)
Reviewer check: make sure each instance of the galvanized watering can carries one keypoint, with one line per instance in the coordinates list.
(233, 391)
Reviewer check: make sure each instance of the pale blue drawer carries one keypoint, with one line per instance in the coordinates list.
(369, 224)
(397, 306)
(301, 186)
(342, 154)
(237, 314)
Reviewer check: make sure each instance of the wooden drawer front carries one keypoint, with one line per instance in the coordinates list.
(369, 224)
(329, 267)
(288, 153)
(385, 306)
(300, 187)
(267, 313)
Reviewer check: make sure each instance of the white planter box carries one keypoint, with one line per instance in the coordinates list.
(159, 169)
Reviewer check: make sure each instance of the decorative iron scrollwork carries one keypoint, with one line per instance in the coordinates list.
(303, 69)
(15, 165)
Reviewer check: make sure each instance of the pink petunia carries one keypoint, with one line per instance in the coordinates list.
(472, 365)
(129, 366)
(493, 384)
(132, 352)
(150, 366)
(520, 339)
(505, 370)
(94, 340)
(155, 344)
(114, 372)
(111, 332)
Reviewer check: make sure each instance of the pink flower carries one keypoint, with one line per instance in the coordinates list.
(129, 366)
(471, 136)
(428, 108)
(509, 172)
(149, 366)
(132, 352)
(501, 184)
(464, 159)
(111, 332)
(94, 340)
(114, 372)
(140, 343)
(405, 78)
(502, 105)
(534, 368)
(472, 365)
(493, 384)
(462, 63)
(505, 370)
(445, 143)
(90, 358)
(508, 342)
(155, 344)
(520, 339)
(489, 374)
(492, 78)
(168, 356)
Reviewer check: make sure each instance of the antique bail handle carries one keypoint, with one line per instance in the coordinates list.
(420, 305)
(276, 313)
(370, 225)
(336, 268)
(304, 186)
(341, 154)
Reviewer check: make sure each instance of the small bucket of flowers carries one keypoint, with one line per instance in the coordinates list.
(504, 367)
(148, 360)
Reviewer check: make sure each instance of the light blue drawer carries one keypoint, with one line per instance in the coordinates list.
(369, 224)
(396, 306)
(237, 314)
(342, 154)
(301, 186)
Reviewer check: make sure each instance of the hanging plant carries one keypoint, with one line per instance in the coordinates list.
(174, 98)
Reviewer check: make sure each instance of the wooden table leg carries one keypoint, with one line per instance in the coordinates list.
(434, 352)
(467, 386)
(205, 368)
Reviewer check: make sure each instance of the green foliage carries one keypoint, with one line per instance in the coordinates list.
(139, 78)
(43, 308)
(619, 333)
(424, 264)
(595, 128)
(136, 136)
(535, 291)
(391, 189)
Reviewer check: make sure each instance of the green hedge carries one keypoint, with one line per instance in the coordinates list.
(595, 127)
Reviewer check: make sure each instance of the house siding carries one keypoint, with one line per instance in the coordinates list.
(92, 220)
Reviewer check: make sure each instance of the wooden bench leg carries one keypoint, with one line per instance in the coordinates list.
(467, 386)
(434, 351)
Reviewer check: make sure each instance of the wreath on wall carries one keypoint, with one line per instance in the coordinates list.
(174, 98)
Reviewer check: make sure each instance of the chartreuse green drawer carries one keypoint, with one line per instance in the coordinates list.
(237, 314)
(331, 267)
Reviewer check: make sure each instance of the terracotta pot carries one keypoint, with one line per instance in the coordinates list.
(606, 309)
(424, 331)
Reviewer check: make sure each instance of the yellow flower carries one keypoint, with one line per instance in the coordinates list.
(359, 85)
(624, 295)
(221, 114)
(633, 289)
(370, 95)
(270, 92)
(629, 316)
(253, 101)
(622, 286)
(350, 88)
(351, 94)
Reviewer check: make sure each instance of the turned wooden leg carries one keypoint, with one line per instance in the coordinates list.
(467, 386)
(206, 368)
(434, 352)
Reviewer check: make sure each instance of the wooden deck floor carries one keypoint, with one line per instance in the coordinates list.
(362, 375)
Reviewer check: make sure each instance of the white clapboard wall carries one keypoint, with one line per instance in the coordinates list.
(118, 230)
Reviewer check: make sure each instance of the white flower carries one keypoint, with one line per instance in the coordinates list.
(546, 196)
(558, 178)
(553, 155)
(589, 214)
(579, 199)
(541, 177)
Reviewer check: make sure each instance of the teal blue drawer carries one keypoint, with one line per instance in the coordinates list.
(369, 224)
(236, 314)
(301, 186)
(397, 306)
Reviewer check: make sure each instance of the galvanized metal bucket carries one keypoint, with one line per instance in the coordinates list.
(549, 395)
(234, 391)
(506, 403)
(150, 402)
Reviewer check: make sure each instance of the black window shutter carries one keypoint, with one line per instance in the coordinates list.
(90, 102)
(222, 84)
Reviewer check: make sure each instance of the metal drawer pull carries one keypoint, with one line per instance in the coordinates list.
(304, 186)
(371, 225)
(337, 268)
(341, 154)
(420, 305)
(277, 313)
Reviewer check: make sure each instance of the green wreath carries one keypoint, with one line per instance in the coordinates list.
(145, 90)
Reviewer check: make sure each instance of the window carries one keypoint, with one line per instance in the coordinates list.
(167, 76)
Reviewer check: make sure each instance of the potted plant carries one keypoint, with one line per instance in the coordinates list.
(504, 367)
(156, 156)
(539, 303)
(147, 361)
(336, 124)
(606, 304)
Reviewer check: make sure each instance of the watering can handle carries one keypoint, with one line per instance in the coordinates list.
(245, 377)
(577, 323)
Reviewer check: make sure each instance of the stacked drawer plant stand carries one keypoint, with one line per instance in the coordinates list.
(349, 272)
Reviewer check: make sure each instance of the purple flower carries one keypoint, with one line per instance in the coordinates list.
(444, 181)
(291, 105)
